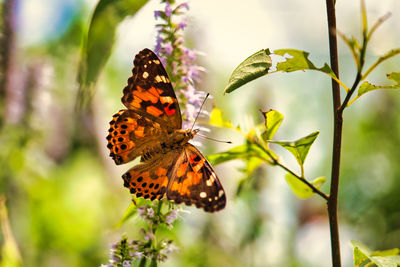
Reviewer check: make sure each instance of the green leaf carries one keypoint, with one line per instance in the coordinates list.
(298, 60)
(364, 256)
(301, 189)
(100, 40)
(216, 119)
(388, 55)
(388, 252)
(240, 152)
(129, 213)
(251, 68)
(273, 120)
(10, 255)
(300, 147)
(366, 87)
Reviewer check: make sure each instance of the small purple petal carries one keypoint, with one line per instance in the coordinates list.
(168, 48)
(185, 5)
(182, 25)
(168, 10)
(150, 212)
(157, 14)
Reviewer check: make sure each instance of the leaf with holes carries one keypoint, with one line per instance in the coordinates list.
(298, 60)
(366, 87)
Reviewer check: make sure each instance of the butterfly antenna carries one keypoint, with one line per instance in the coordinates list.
(198, 113)
(216, 140)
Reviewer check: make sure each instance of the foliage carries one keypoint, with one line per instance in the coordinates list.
(298, 60)
(364, 257)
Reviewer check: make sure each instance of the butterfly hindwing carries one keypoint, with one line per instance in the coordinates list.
(193, 181)
(149, 91)
(150, 179)
(130, 134)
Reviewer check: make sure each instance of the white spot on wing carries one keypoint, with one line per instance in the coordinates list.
(145, 75)
(158, 78)
(220, 193)
(203, 194)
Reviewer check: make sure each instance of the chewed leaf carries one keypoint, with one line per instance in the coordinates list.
(300, 147)
(366, 87)
(100, 40)
(301, 189)
(298, 60)
(251, 68)
(216, 119)
(240, 152)
(273, 120)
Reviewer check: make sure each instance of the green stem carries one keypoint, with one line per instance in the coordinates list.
(142, 262)
(276, 162)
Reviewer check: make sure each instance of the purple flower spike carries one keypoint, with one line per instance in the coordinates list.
(157, 14)
(168, 48)
(159, 42)
(168, 10)
(182, 25)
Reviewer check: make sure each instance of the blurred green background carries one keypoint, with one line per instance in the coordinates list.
(65, 195)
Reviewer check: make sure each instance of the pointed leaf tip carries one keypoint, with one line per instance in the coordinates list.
(273, 120)
(300, 147)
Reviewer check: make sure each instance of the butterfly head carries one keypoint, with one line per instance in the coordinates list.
(187, 134)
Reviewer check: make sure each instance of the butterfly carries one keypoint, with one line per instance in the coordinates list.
(150, 128)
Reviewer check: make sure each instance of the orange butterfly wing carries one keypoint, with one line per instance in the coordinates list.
(149, 91)
(193, 181)
(153, 110)
(184, 175)
(130, 134)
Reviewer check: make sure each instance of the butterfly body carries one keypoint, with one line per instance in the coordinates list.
(173, 141)
(151, 129)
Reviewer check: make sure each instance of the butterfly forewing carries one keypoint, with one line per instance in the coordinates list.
(130, 133)
(149, 91)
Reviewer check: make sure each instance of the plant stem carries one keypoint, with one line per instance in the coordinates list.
(302, 179)
(337, 136)
(275, 161)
